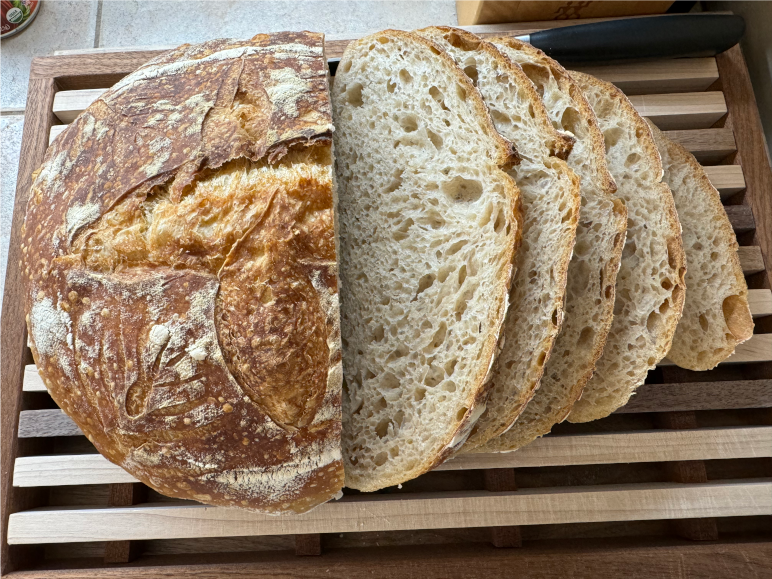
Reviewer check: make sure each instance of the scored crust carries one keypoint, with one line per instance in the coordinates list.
(716, 315)
(180, 264)
(592, 272)
(619, 371)
(502, 154)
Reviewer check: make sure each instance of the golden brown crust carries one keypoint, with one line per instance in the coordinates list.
(181, 275)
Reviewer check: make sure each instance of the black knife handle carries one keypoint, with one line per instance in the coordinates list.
(672, 36)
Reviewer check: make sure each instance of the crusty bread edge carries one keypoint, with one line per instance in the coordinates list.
(679, 153)
(675, 249)
(560, 146)
(506, 158)
(603, 178)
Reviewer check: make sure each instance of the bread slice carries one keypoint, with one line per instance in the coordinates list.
(650, 284)
(716, 315)
(428, 231)
(600, 236)
(551, 200)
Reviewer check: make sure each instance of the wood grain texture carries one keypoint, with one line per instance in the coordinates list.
(741, 218)
(499, 480)
(37, 122)
(661, 76)
(122, 494)
(606, 448)
(760, 301)
(637, 558)
(644, 501)
(728, 179)
(757, 349)
(751, 259)
(751, 146)
(700, 396)
(308, 545)
(698, 110)
(688, 472)
(707, 145)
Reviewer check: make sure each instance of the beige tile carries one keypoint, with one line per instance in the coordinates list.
(133, 23)
(60, 24)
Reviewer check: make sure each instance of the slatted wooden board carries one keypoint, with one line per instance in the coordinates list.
(689, 459)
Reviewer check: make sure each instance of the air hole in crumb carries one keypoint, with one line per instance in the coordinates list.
(381, 458)
(409, 123)
(456, 247)
(419, 394)
(499, 223)
(382, 428)
(450, 367)
(461, 275)
(471, 72)
(666, 285)
(586, 337)
(461, 92)
(555, 317)
(703, 323)
(354, 95)
(405, 76)
(540, 360)
(611, 136)
(390, 86)
(435, 139)
(389, 381)
(632, 159)
(378, 333)
(434, 376)
(461, 413)
(652, 322)
(463, 190)
(425, 283)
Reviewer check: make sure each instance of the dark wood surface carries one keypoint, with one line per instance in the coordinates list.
(124, 495)
(751, 147)
(499, 480)
(599, 558)
(37, 122)
(700, 396)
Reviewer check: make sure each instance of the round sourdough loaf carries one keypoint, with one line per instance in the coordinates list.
(180, 261)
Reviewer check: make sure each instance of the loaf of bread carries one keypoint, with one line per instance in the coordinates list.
(429, 223)
(650, 284)
(181, 274)
(551, 201)
(600, 236)
(716, 315)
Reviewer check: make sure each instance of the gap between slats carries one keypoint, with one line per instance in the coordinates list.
(641, 501)
(607, 448)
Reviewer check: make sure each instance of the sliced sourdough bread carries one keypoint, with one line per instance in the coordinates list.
(650, 284)
(551, 200)
(716, 315)
(429, 224)
(600, 236)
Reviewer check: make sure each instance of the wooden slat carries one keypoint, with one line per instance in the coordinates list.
(760, 301)
(645, 501)
(757, 349)
(32, 380)
(676, 111)
(607, 448)
(728, 179)
(707, 145)
(751, 259)
(663, 76)
(752, 152)
(700, 396)
(38, 119)
(55, 131)
(741, 218)
(68, 104)
(44, 423)
(668, 111)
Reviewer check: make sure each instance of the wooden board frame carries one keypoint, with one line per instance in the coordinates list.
(635, 557)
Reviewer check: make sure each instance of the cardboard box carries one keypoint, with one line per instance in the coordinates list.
(494, 11)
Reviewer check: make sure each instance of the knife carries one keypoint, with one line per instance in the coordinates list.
(653, 37)
(645, 38)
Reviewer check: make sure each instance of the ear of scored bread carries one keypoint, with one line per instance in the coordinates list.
(429, 224)
(600, 235)
(181, 276)
(551, 201)
(650, 284)
(716, 315)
